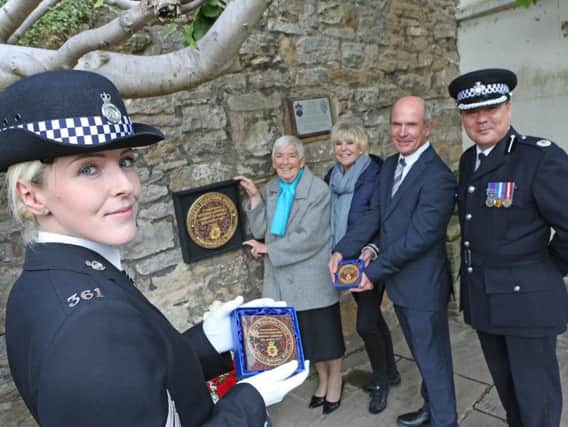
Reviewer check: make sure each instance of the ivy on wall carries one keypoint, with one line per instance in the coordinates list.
(63, 20)
(525, 3)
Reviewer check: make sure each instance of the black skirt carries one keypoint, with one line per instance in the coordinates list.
(322, 337)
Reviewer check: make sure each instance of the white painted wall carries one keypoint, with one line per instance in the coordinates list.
(533, 43)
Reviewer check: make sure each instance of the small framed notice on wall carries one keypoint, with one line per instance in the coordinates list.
(310, 116)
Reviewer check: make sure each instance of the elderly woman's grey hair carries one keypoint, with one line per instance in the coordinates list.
(286, 140)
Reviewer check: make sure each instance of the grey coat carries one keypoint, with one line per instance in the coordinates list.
(295, 269)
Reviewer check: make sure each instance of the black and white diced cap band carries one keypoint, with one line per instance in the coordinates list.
(86, 130)
(482, 90)
(90, 130)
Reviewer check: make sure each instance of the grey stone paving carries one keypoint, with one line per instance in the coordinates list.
(478, 403)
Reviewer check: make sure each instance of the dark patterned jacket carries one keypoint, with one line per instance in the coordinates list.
(86, 348)
(511, 274)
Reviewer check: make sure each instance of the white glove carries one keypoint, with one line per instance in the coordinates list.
(273, 385)
(217, 325)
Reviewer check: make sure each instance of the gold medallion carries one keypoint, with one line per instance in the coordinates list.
(348, 274)
(212, 220)
(269, 342)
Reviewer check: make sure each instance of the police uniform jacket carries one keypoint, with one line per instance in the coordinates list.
(86, 348)
(511, 273)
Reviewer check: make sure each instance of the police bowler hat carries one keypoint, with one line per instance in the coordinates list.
(58, 113)
(482, 88)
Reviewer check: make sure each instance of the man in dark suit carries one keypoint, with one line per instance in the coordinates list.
(512, 191)
(416, 194)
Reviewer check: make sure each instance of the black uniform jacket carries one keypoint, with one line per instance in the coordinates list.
(86, 348)
(511, 273)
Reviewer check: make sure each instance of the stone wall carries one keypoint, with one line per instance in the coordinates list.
(363, 54)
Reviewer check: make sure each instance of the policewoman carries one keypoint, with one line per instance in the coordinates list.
(512, 193)
(85, 347)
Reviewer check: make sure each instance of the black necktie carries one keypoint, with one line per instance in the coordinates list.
(480, 158)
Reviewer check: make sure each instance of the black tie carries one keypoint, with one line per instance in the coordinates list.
(480, 158)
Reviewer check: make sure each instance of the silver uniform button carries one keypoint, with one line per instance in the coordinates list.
(466, 243)
(468, 216)
(470, 189)
(470, 269)
(517, 288)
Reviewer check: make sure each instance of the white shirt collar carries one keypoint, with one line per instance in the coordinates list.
(486, 151)
(110, 253)
(413, 158)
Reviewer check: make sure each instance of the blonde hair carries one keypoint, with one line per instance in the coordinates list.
(33, 173)
(352, 132)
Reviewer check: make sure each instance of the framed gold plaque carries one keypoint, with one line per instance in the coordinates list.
(209, 220)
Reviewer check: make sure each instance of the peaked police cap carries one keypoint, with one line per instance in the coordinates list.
(483, 88)
(58, 113)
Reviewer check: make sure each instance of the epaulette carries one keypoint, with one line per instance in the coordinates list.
(536, 141)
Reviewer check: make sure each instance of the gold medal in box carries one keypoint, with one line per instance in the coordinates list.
(208, 220)
(265, 337)
(349, 274)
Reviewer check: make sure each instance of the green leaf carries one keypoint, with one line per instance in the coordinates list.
(200, 26)
(525, 3)
(99, 3)
(211, 11)
(187, 31)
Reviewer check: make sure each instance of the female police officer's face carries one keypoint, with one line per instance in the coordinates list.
(93, 196)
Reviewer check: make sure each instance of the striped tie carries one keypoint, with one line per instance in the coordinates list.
(398, 175)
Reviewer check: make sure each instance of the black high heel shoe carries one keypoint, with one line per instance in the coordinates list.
(329, 407)
(316, 401)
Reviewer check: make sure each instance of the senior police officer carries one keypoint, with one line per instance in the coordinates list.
(512, 192)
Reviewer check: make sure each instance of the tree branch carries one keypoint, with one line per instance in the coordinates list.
(13, 14)
(37, 13)
(188, 6)
(122, 4)
(119, 29)
(144, 76)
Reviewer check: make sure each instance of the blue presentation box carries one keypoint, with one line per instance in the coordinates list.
(349, 274)
(265, 337)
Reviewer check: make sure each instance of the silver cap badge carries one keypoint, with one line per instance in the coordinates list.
(109, 110)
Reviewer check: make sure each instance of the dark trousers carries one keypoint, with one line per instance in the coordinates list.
(374, 331)
(525, 372)
(428, 337)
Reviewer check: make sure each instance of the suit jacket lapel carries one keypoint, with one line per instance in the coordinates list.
(387, 176)
(413, 174)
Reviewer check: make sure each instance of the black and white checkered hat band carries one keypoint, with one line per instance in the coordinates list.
(483, 90)
(484, 103)
(90, 130)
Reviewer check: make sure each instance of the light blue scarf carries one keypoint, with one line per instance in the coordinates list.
(284, 205)
(342, 188)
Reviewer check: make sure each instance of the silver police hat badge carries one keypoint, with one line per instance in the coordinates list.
(109, 110)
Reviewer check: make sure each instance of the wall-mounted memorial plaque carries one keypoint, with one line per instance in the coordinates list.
(209, 220)
(310, 116)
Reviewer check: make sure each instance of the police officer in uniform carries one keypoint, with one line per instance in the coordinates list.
(513, 191)
(85, 347)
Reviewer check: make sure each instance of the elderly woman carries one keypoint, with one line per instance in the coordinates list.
(353, 181)
(85, 347)
(290, 220)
